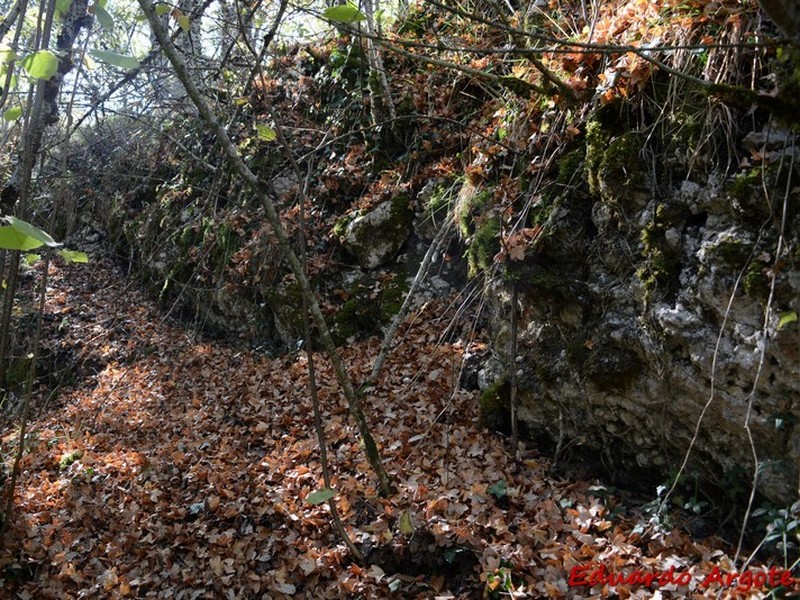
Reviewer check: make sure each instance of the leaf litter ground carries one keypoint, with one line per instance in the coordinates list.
(172, 467)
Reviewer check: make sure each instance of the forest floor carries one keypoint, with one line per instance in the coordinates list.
(166, 466)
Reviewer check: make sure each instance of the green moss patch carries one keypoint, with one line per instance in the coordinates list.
(484, 245)
(369, 308)
(661, 268)
(494, 405)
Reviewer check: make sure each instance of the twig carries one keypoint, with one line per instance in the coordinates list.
(512, 370)
(319, 428)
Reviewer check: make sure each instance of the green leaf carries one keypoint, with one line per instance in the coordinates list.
(106, 20)
(30, 259)
(163, 9)
(13, 113)
(320, 496)
(344, 13)
(41, 65)
(499, 489)
(7, 54)
(185, 23)
(62, 6)
(71, 256)
(29, 230)
(406, 525)
(11, 239)
(266, 134)
(786, 318)
(112, 58)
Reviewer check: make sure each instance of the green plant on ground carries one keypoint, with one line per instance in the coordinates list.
(781, 526)
(500, 582)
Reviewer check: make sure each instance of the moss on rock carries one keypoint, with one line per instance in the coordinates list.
(731, 252)
(661, 267)
(369, 307)
(469, 209)
(494, 402)
(756, 282)
(377, 236)
(614, 169)
(285, 301)
(484, 245)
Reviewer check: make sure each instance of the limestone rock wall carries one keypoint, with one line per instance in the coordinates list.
(648, 305)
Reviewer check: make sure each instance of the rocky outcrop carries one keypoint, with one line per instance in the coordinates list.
(222, 268)
(376, 237)
(652, 312)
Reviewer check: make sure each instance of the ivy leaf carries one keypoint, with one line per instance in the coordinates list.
(21, 235)
(320, 496)
(344, 13)
(266, 133)
(41, 65)
(30, 259)
(13, 113)
(12, 83)
(117, 60)
(499, 490)
(26, 228)
(62, 6)
(71, 256)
